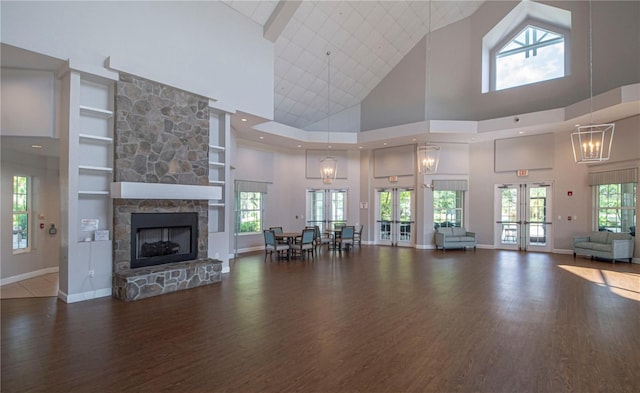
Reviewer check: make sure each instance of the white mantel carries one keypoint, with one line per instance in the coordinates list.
(133, 190)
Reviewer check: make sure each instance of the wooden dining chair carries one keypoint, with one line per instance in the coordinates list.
(321, 238)
(346, 238)
(271, 245)
(357, 236)
(305, 243)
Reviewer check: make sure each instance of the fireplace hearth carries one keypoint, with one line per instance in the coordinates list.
(160, 238)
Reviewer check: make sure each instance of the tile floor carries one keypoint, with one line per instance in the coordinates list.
(41, 286)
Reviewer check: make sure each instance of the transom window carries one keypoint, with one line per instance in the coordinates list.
(535, 54)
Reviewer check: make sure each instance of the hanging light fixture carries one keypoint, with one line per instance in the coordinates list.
(328, 165)
(428, 155)
(592, 143)
(428, 158)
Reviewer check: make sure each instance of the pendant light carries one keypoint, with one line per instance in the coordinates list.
(328, 165)
(592, 143)
(428, 155)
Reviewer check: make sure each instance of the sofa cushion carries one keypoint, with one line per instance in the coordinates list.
(594, 246)
(445, 231)
(460, 239)
(618, 236)
(599, 237)
(459, 231)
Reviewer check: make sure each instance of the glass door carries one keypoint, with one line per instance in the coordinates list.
(523, 213)
(395, 220)
(326, 208)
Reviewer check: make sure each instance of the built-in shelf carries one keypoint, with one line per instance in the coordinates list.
(214, 147)
(90, 111)
(217, 182)
(95, 168)
(218, 164)
(97, 192)
(95, 138)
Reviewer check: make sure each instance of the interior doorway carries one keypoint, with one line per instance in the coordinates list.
(523, 216)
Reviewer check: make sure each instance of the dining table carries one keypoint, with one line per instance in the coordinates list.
(288, 237)
(334, 234)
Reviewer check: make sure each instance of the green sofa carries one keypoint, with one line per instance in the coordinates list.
(608, 245)
(454, 237)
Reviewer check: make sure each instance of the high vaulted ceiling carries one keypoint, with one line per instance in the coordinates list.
(367, 39)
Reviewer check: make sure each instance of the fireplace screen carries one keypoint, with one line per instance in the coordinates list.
(159, 238)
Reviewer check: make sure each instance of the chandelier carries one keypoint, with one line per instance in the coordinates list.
(592, 143)
(428, 155)
(428, 158)
(328, 165)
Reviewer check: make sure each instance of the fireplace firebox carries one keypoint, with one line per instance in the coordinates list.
(159, 238)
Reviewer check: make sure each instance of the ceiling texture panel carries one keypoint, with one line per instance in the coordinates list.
(367, 39)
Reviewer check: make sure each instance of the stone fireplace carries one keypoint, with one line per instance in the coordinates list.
(159, 238)
(161, 154)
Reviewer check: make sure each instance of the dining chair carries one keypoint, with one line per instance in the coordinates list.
(305, 243)
(346, 238)
(278, 231)
(321, 238)
(271, 245)
(357, 236)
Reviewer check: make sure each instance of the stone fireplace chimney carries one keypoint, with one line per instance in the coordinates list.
(161, 166)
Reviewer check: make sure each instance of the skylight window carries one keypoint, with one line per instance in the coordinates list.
(533, 55)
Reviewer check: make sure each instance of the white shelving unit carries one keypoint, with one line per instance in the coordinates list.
(95, 152)
(219, 235)
(86, 129)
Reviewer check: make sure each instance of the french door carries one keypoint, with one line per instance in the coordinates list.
(326, 208)
(395, 216)
(523, 217)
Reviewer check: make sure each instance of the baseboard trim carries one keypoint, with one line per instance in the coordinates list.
(80, 297)
(26, 276)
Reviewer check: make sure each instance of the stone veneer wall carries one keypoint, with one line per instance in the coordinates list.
(161, 136)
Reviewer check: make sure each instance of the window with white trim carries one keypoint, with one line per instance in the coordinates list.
(21, 214)
(534, 54)
(448, 202)
(616, 207)
(448, 208)
(250, 212)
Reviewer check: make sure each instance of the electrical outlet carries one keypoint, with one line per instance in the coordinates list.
(92, 273)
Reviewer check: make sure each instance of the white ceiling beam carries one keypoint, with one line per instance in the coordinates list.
(279, 19)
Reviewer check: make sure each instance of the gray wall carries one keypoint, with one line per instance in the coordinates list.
(400, 97)
(45, 209)
(456, 68)
(566, 176)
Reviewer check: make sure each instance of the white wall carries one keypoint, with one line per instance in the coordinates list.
(286, 195)
(45, 210)
(27, 102)
(201, 46)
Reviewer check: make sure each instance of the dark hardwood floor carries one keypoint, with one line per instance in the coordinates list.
(376, 319)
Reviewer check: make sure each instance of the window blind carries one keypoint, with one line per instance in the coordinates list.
(251, 186)
(629, 175)
(450, 185)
